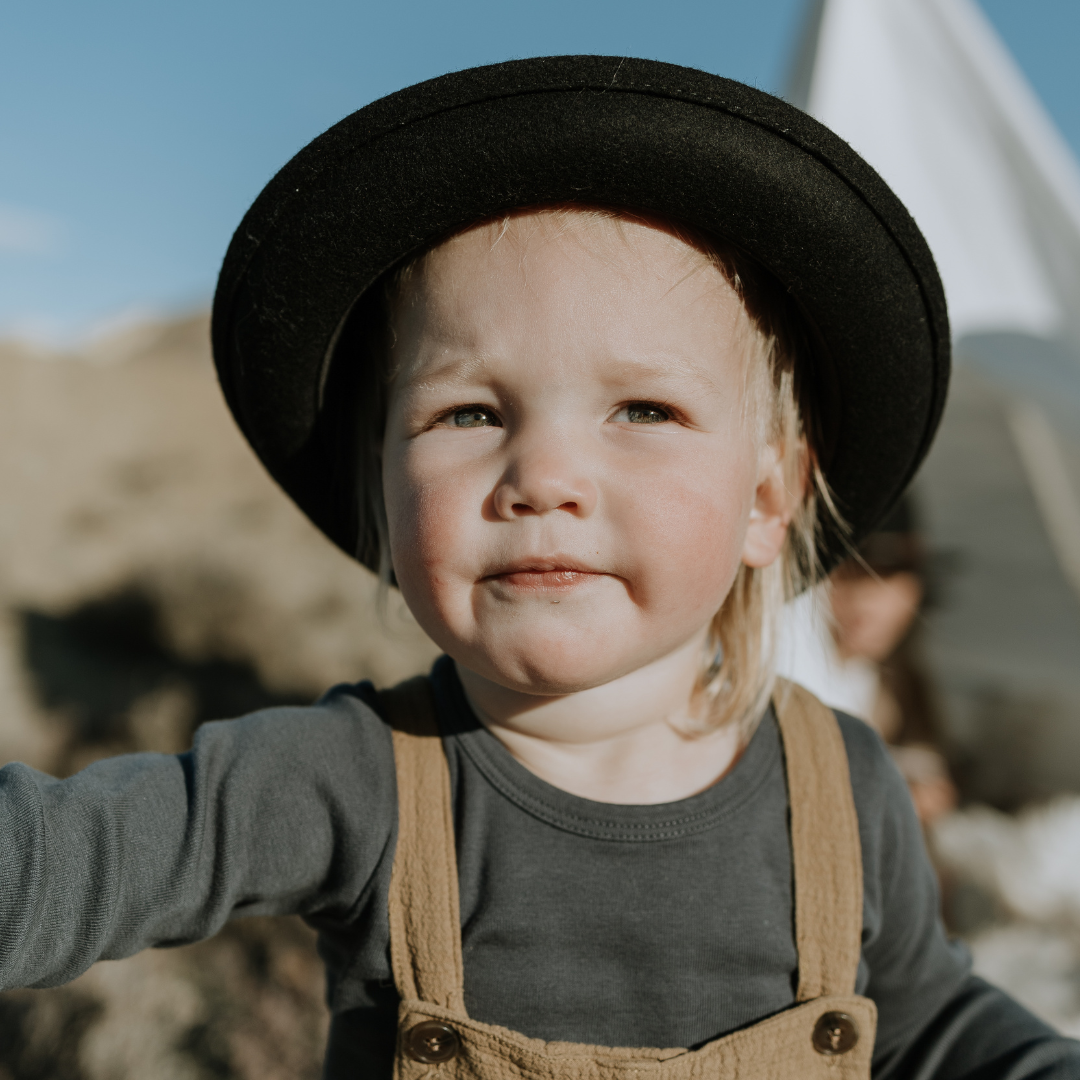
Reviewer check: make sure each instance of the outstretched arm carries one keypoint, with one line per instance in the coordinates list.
(288, 810)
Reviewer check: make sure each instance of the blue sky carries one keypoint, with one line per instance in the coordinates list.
(133, 135)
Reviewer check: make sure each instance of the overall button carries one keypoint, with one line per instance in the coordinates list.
(835, 1033)
(433, 1042)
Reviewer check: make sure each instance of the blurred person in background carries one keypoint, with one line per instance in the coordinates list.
(854, 643)
(876, 596)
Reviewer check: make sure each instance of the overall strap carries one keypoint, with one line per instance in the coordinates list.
(425, 920)
(827, 854)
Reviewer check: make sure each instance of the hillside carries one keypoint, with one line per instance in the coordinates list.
(151, 577)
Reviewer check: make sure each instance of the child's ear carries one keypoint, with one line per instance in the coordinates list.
(774, 506)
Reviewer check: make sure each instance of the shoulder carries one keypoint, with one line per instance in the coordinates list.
(891, 835)
(875, 780)
(344, 711)
(307, 786)
(896, 868)
(341, 732)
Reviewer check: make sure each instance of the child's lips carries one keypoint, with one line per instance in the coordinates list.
(546, 579)
(547, 575)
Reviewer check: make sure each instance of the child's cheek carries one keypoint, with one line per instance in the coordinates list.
(433, 515)
(685, 518)
(687, 539)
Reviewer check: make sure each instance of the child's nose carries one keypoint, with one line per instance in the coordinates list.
(540, 483)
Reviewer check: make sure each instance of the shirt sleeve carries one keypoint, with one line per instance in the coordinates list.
(983, 1034)
(283, 811)
(936, 1021)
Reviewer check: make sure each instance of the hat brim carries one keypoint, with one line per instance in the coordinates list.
(723, 157)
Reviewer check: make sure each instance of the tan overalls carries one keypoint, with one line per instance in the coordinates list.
(828, 1034)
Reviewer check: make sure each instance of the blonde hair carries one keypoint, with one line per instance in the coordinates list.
(739, 676)
(738, 671)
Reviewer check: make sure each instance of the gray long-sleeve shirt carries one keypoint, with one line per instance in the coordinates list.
(663, 925)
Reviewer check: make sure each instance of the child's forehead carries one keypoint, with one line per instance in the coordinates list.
(575, 272)
(603, 296)
(633, 248)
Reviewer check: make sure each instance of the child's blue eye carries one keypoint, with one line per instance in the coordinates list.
(474, 416)
(640, 412)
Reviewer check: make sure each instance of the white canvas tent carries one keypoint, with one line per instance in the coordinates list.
(928, 94)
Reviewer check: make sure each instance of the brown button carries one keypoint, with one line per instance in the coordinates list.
(432, 1042)
(835, 1033)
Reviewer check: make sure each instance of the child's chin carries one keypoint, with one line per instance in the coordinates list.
(551, 668)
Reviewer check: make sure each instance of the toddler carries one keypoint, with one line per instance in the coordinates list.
(598, 361)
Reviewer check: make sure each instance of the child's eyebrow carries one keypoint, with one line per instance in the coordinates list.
(461, 368)
(656, 368)
(661, 368)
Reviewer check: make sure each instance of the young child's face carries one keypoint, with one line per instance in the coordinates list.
(571, 474)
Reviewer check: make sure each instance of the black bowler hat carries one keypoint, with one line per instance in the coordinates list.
(730, 160)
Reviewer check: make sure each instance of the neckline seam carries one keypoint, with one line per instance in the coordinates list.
(454, 733)
(632, 832)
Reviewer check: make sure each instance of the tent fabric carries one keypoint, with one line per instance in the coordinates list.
(926, 91)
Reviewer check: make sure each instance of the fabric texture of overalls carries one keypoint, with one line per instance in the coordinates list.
(828, 1033)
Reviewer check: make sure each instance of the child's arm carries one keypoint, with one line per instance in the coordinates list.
(936, 1021)
(983, 1034)
(288, 810)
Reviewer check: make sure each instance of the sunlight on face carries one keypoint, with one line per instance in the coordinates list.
(568, 467)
